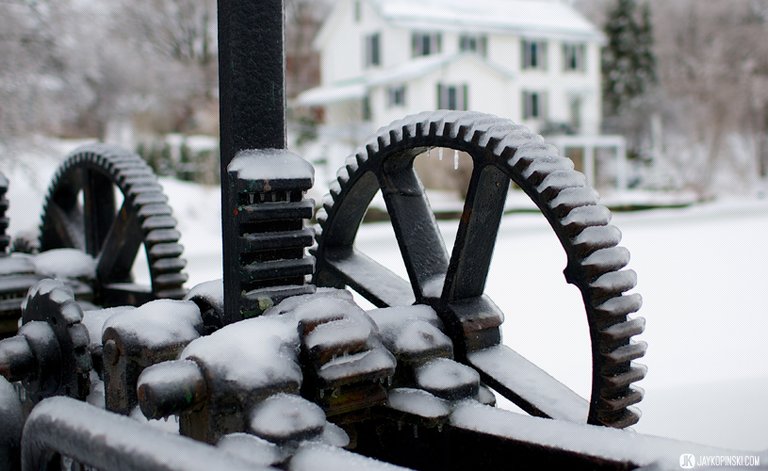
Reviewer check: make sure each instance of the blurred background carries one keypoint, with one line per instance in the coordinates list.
(663, 104)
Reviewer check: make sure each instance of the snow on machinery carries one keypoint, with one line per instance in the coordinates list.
(275, 365)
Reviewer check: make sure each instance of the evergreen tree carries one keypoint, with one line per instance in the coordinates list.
(629, 65)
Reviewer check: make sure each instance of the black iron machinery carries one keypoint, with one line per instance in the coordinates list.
(276, 365)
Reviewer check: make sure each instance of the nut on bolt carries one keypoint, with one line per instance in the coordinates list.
(171, 387)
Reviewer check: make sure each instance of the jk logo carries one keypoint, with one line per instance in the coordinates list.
(687, 461)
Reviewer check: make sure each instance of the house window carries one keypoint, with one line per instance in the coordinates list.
(534, 105)
(396, 96)
(358, 11)
(425, 44)
(574, 57)
(534, 54)
(574, 108)
(474, 43)
(373, 50)
(452, 97)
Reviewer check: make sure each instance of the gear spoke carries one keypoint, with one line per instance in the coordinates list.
(98, 208)
(373, 281)
(65, 227)
(120, 247)
(476, 237)
(528, 386)
(418, 236)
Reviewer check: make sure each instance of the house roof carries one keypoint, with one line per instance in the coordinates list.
(357, 88)
(530, 17)
(335, 93)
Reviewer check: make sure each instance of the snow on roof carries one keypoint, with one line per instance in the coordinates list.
(520, 16)
(404, 72)
(332, 94)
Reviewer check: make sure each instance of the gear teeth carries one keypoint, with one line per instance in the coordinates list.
(361, 158)
(165, 250)
(342, 176)
(621, 419)
(614, 283)
(150, 198)
(624, 330)
(168, 265)
(328, 202)
(635, 373)
(383, 141)
(594, 238)
(604, 260)
(529, 152)
(633, 396)
(558, 181)
(151, 210)
(351, 165)
(582, 217)
(620, 306)
(158, 222)
(570, 198)
(556, 167)
(626, 353)
(162, 236)
(493, 135)
(372, 148)
(169, 280)
(477, 129)
(334, 190)
(321, 216)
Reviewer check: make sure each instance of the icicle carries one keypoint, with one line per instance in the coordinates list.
(440, 153)
(250, 197)
(415, 431)
(455, 159)
(274, 196)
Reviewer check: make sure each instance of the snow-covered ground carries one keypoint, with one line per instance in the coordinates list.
(701, 273)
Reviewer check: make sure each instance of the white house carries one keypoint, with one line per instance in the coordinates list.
(536, 62)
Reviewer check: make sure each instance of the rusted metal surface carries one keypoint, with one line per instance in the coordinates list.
(136, 340)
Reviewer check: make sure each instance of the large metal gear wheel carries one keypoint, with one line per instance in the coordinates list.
(81, 212)
(454, 285)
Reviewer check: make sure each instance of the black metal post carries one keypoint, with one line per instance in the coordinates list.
(262, 184)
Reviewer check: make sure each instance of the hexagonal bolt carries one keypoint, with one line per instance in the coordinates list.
(16, 358)
(171, 387)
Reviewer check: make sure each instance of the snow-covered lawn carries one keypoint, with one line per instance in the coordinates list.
(701, 273)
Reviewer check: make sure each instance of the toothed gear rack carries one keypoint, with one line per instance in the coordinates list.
(275, 365)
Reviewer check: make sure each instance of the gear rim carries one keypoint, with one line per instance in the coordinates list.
(595, 260)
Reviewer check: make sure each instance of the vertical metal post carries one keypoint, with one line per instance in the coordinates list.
(255, 166)
(252, 106)
(251, 76)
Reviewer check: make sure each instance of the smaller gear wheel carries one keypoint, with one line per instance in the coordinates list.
(50, 353)
(83, 211)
